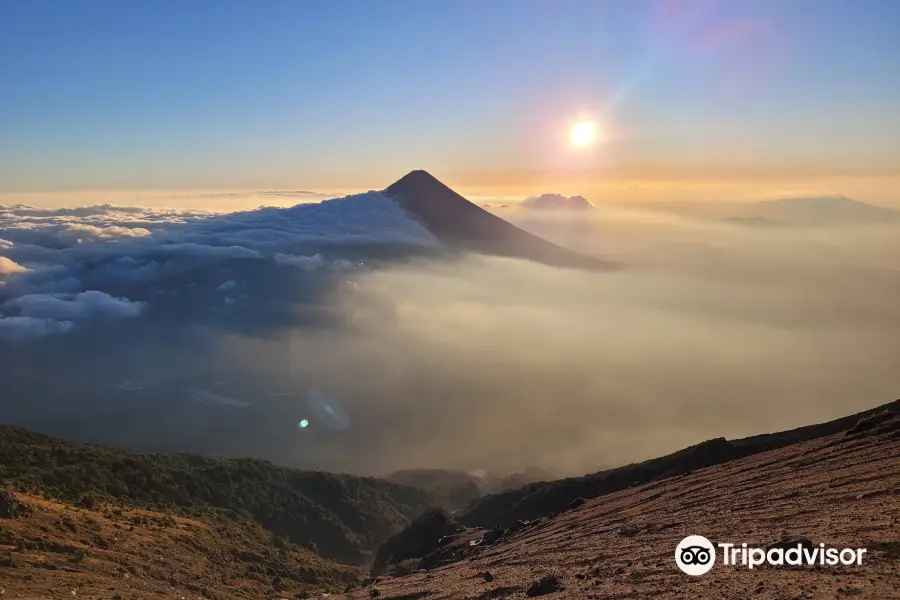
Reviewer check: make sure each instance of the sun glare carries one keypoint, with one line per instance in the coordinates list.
(583, 134)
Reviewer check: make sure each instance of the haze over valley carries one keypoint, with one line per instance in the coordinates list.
(449, 300)
(220, 333)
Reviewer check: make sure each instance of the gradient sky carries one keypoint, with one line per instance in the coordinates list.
(354, 93)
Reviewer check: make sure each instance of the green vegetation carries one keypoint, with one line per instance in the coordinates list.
(200, 555)
(418, 539)
(340, 517)
(450, 489)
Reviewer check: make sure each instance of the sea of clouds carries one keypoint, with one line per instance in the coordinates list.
(709, 329)
(55, 263)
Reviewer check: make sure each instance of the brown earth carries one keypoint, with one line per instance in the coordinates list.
(842, 490)
(55, 551)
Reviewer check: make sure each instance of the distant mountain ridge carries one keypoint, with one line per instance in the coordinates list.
(816, 210)
(752, 221)
(557, 202)
(457, 490)
(550, 497)
(462, 224)
(450, 489)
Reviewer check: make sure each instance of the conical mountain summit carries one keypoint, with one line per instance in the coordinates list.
(459, 223)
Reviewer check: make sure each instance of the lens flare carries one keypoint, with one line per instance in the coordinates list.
(327, 410)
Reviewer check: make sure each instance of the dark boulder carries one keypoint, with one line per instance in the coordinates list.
(545, 585)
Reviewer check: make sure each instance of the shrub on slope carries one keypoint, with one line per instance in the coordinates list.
(343, 517)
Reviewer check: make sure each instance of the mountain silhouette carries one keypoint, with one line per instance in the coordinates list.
(459, 223)
(557, 202)
(822, 210)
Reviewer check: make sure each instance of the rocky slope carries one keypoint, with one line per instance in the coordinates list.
(74, 536)
(841, 489)
(546, 498)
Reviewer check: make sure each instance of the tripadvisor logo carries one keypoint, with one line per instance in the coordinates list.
(696, 555)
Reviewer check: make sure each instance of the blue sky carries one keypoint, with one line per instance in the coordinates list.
(279, 93)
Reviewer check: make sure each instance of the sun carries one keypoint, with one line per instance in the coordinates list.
(583, 133)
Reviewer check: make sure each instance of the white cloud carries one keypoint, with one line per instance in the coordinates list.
(341, 264)
(190, 250)
(307, 263)
(82, 232)
(314, 262)
(74, 307)
(9, 267)
(17, 329)
(76, 254)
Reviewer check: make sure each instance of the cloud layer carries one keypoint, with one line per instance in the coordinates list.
(66, 260)
(470, 362)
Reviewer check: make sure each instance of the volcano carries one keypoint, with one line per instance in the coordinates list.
(459, 223)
